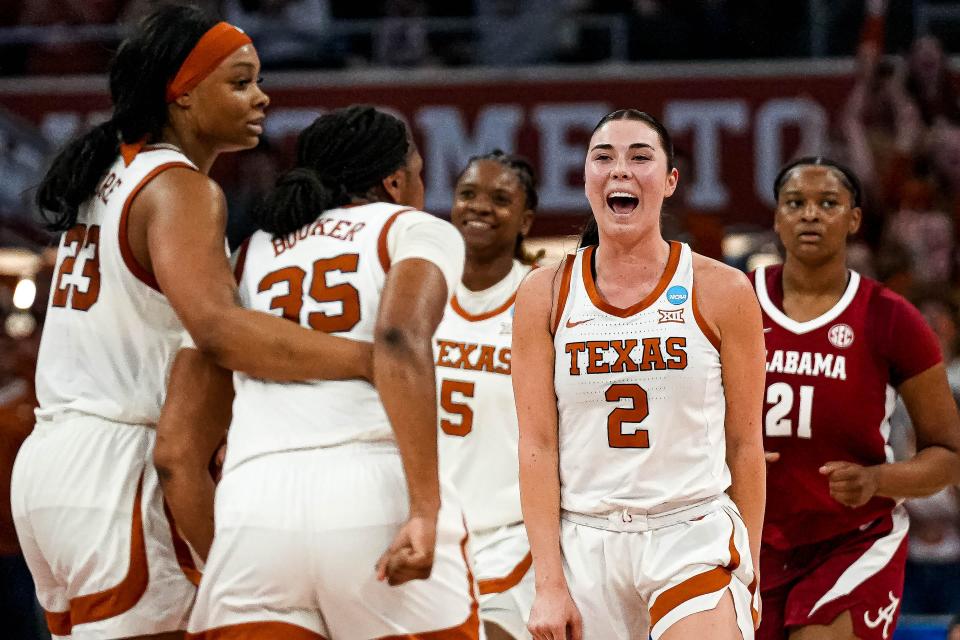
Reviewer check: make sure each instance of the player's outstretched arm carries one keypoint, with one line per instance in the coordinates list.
(554, 613)
(411, 306)
(192, 426)
(182, 215)
(729, 303)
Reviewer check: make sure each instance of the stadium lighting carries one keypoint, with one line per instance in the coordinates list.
(25, 293)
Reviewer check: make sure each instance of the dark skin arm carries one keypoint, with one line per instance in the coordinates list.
(193, 272)
(411, 307)
(192, 425)
(937, 461)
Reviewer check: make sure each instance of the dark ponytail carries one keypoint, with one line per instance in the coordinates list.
(139, 72)
(590, 235)
(343, 155)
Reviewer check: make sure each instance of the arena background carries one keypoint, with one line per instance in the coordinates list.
(743, 86)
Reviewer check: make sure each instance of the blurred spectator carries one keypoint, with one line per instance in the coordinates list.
(515, 33)
(929, 83)
(401, 36)
(288, 33)
(68, 55)
(953, 629)
(933, 551)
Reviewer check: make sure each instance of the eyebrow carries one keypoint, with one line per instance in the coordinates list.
(245, 64)
(635, 145)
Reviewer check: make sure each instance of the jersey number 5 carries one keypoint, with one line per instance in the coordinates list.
(635, 414)
(291, 302)
(79, 239)
(462, 409)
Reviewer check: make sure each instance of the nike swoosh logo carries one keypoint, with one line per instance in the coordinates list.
(767, 329)
(571, 325)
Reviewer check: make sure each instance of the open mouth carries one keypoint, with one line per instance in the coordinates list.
(622, 203)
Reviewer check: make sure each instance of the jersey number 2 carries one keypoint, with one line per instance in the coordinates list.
(291, 302)
(635, 414)
(76, 240)
(462, 409)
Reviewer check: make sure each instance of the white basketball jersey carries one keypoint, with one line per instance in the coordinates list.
(327, 276)
(639, 395)
(110, 335)
(478, 418)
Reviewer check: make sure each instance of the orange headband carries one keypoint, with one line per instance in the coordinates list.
(216, 44)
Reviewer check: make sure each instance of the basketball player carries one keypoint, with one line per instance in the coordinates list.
(839, 348)
(493, 207)
(142, 252)
(638, 373)
(321, 478)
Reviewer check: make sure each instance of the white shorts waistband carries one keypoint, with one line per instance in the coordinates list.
(627, 520)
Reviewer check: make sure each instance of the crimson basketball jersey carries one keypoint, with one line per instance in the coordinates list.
(830, 391)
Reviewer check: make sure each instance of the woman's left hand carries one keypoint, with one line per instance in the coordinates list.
(851, 484)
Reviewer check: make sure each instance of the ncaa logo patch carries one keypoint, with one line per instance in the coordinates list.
(677, 294)
(840, 335)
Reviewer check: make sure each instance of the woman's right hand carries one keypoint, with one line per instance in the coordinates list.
(554, 616)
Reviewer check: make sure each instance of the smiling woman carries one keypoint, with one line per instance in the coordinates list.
(638, 377)
(494, 203)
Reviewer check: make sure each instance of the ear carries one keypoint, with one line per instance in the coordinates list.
(856, 217)
(184, 101)
(526, 221)
(395, 184)
(671, 184)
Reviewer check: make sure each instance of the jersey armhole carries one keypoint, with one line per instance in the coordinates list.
(564, 292)
(382, 251)
(126, 252)
(705, 328)
(241, 260)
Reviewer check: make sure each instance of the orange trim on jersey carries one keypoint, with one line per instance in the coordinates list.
(564, 290)
(181, 549)
(382, 252)
(699, 585)
(257, 631)
(126, 252)
(116, 600)
(469, 629)
(58, 622)
(466, 315)
(509, 581)
(591, 286)
(241, 260)
(705, 328)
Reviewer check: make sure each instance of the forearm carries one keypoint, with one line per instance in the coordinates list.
(540, 501)
(264, 346)
(404, 377)
(189, 490)
(932, 469)
(748, 490)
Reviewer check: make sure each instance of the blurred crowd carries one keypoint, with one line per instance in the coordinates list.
(414, 33)
(899, 130)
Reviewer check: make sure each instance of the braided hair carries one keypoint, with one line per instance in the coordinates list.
(344, 155)
(139, 72)
(527, 178)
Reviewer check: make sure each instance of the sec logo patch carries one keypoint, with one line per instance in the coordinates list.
(840, 335)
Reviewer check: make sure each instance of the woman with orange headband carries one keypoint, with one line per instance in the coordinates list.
(140, 260)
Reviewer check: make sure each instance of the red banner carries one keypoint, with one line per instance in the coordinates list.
(733, 125)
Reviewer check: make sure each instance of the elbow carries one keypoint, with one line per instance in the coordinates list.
(402, 340)
(168, 463)
(209, 334)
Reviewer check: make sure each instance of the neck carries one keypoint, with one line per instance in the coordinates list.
(829, 278)
(620, 251)
(483, 271)
(200, 153)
